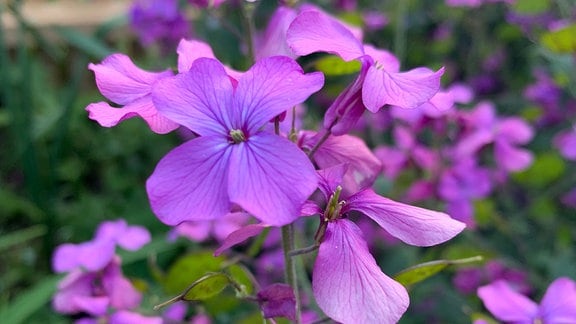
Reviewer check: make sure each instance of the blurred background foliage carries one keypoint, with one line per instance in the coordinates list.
(61, 174)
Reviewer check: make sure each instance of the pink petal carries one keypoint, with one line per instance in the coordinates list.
(384, 58)
(270, 177)
(313, 31)
(191, 50)
(406, 89)
(121, 81)
(506, 304)
(512, 158)
(565, 142)
(559, 303)
(348, 285)
(363, 166)
(65, 257)
(310, 208)
(108, 116)
(272, 86)
(95, 255)
(194, 231)
(240, 236)
(190, 183)
(330, 178)
(515, 130)
(413, 225)
(200, 99)
(273, 42)
(127, 317)
(347, 108)
(134, 238)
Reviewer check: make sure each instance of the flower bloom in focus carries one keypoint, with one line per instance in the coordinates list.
(347, 283)
(233, 161)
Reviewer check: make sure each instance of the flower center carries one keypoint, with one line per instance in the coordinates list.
(334, 207)
(237, 136)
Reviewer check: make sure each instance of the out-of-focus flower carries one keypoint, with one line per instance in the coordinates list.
(557, 306)
(95, 292)
(96, 254)
(158, 21)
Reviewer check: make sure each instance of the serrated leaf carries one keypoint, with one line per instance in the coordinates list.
(561, 41)
(333, 65)
(425, 270)
(206, 287)
(189, 268)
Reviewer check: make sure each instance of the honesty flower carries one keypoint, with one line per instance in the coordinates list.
(122, 82)
(94, 292)
(557, 306)
(233, 160)
(94, 255)
(506, 133)
(383, 84)
(348, 284)
(158, 21)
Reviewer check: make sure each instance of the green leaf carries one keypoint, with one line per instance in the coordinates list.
(8, 241)
(425, 270)
(561, 41)
(240, 276)
(207, 286)
(333, 65)
(88, 44)
(531, 6)
(189, 268)
(29, 301)
(547, 168)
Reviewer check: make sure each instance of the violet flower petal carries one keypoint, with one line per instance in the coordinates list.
(313, 31)
(506, 304)
(411, 224)
(108, 116)
(240, 236)
(190, 182)
(277, 300)
(559, 302)
(348, 285)
(272, 86)
(270, 177)
(405, 89)
(119, 80)
(200, 99)
(363, 166)
(191, 50)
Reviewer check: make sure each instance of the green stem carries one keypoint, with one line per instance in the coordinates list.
(290, 272)
(400, 32)
(248, 9)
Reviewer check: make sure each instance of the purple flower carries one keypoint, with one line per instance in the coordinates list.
(277, 300)
(95, 292)
(233, 161)
(218, 229)
(565, 142)
(557, 306)
(96, 254)
(125, 84)
(504, 133)
(158, 20)
(347, 283)
(460, 185)
(382, 83)
(363, 166)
